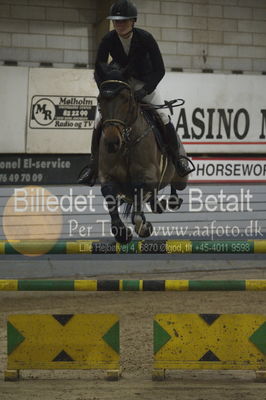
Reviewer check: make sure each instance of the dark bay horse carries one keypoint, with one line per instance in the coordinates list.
(132, 167)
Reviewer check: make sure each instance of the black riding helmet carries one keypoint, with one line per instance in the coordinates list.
(123, 9)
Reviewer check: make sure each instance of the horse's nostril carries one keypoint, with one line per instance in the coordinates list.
(113, 147)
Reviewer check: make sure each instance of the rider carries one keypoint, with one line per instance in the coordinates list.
(137, 50)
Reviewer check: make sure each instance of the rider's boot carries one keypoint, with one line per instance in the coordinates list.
(181, 163)
(89, 174)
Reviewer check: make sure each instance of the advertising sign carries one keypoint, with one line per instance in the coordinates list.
(222, 113)
(229, 170)
(62, 112)
(62, 106)
(42, 169)
(55, 110)
(56, 169)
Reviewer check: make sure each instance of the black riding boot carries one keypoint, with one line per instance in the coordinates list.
(181, 163)
(89, 174)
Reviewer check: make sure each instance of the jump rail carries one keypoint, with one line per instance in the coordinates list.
(132, 285)
(134, 247)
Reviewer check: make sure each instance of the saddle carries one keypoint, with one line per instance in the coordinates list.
(155, 122)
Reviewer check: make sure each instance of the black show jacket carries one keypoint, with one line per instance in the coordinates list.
(144, 61)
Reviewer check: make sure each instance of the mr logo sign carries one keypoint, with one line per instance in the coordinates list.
(62, 112)
(43, 112)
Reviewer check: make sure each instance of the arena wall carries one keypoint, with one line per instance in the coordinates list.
(194, 35)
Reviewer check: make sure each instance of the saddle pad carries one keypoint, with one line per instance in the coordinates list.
(155, 122)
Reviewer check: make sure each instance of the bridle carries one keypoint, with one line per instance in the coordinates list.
(129, 120)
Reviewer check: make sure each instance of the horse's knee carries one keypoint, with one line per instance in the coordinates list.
(143, 187)
(108, 189)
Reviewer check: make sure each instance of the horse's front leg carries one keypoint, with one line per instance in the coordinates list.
(121, 233)
(157, 206)
(142, 227)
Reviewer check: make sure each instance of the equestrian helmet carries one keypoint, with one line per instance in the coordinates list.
(123, 9)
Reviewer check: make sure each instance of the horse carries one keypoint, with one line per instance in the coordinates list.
(132, 167)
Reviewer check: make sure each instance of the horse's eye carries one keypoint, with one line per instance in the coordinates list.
(124, 96)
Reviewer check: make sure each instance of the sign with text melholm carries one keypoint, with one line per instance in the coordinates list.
(62, 106)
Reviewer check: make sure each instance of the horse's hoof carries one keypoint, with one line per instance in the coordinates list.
(145, 230)
(174, 202)
(138, 219)
(159, 207)
(122, 234)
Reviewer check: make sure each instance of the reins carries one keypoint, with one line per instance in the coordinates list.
(167, 104)
(127, 126)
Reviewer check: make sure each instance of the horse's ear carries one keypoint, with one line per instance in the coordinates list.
(126, 72)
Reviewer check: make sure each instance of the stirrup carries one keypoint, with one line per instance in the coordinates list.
(184, 165)
(87, 176)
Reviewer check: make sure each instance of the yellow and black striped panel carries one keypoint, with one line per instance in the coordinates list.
(131, 285)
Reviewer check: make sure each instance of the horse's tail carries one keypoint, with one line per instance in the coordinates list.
(127, 210)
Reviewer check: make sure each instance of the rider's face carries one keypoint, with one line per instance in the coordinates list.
(123, 26)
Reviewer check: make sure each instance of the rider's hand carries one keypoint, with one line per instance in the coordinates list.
(139, 94)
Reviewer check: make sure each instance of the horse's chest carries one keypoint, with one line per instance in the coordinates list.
(116, 170)
(119, 171)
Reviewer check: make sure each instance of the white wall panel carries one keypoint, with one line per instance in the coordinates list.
(13, 100)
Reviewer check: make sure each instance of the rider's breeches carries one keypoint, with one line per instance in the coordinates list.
(152, 98)
(155, 98)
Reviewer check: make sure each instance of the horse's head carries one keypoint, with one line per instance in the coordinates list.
(117, 106)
